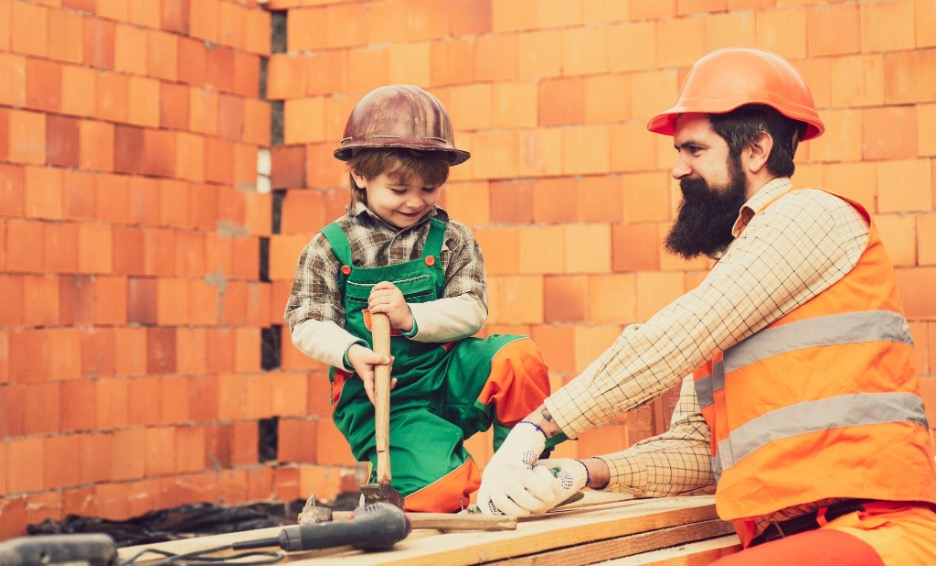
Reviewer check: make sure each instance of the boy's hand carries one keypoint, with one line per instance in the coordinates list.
(363, 361)
(386, 298)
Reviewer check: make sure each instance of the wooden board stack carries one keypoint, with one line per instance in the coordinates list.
(601, 527)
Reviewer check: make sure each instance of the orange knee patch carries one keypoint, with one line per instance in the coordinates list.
(447, 494)
(519, 382)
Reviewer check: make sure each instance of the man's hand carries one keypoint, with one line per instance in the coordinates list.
(566, 477)
(363, 361)
(386, 298)
(509, 486)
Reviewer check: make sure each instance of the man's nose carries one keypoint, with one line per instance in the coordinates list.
(681, 169)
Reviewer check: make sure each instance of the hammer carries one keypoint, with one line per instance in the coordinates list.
(382, 490)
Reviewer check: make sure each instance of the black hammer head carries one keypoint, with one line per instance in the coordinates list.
(376, 492)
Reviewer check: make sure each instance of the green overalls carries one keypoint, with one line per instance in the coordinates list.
(438, 401)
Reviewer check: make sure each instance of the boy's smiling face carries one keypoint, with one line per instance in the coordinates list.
(398, 204)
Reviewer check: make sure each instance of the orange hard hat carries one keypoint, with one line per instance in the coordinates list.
(400, 116)
(728, 78)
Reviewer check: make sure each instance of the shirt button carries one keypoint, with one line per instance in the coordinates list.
(346, 269)
(430, 261)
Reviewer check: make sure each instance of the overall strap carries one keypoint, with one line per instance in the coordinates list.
(339, 243)
(342, 250)
(435, 239)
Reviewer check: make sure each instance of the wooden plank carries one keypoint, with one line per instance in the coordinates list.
(599, 517)
(624, 546)
(700, 553)
(538, 536)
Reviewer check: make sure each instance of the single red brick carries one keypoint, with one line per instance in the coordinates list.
(244, 443)
(158, 153)
(94, 457)
(287, 166)
(144, 402)
(128, 250)
(160, 349)
(99, 42)
(62, 141)
(61, 461)
(43, 85)
(219, 68)
(78, 405)
(24, 246)
(60, 248)
(11, 407)
(12, 184)
(129, 150)
(160, 451)
(174, 15)
(25, 464)
(129, 456)
(76, 297)
(11, 309)
(110, 299)
(190, 448)
(40, 409)
(174, 106)
(78, 195)
(192, 57)
(111, 403)
(130, 346)
(28, 355)
(98, 351)
(296, 440)
(113, 199)
(174, 397)
(203, 398)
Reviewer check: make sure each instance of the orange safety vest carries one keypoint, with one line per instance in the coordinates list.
(823, 403)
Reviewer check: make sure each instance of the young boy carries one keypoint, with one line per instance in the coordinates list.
(397, 253)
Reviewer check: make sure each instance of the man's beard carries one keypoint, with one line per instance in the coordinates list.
(706, 216)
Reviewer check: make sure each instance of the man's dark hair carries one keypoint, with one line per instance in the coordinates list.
(743, 125)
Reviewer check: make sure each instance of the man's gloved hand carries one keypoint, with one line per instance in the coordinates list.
(509, 486)
(566, 477)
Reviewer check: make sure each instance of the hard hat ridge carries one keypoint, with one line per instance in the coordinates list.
(400, 116)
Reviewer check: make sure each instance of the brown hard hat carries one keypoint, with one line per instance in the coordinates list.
(400, 116)
(728, 78)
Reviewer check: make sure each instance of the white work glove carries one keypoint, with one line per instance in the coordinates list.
(509, 486)
(566, 477)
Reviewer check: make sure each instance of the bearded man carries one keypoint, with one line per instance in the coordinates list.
(804, 409)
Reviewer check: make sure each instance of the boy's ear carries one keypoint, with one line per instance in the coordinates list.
(359, 180)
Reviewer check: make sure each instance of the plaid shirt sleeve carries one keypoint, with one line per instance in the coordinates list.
(784, 256)
(673, 463)
(315, 291)
(464, 264)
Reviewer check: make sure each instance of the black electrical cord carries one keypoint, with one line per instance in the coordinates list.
(197, 558)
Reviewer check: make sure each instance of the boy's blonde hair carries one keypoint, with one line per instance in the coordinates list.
(400, 164)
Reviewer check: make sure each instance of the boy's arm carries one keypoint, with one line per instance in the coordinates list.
(445, 320)
(325, 342)
(315, 312)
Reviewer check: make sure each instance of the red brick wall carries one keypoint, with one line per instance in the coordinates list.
(131, 306)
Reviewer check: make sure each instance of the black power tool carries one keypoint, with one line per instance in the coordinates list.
(376, 526)
(91, 549)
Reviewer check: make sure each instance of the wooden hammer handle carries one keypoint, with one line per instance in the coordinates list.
(380, 330)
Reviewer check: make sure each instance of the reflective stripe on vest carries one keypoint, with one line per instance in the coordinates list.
(814, 416)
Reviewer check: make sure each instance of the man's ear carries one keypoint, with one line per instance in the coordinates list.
(757, 152)
(359, 180)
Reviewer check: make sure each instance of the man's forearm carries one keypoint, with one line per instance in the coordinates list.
(598, 471)
(541, 418)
